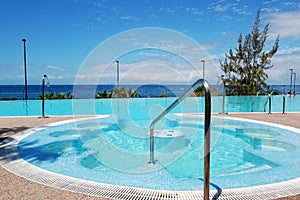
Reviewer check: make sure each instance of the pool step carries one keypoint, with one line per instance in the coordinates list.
(248, 167)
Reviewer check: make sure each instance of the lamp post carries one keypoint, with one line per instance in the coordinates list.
(118, 71)
(43, 93)
(26, 87)
(291, 81)
(294, 83)
(224, 94)
(203, 67)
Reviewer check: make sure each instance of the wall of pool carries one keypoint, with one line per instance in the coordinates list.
(108, 106)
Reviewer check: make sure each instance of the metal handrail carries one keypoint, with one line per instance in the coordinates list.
(268, 100)
(252, 104)
(207, 119)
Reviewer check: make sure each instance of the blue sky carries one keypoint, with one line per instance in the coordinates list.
(61, 34)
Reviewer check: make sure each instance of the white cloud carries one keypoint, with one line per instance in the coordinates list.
(270, 10)
(220, 8)
(269, 2)
(280, 73)
(167, 10)
(162, 70)
(241, 10)
(210, 46)
(101, 20)
(225, 18)
(218, 2)
(129, 18)
(194, 11)
(292, 4)
(285, 23)
(55, 68)
(223, 5)
(228, 9)
(61, 77)
(141, 51)
(286, 51)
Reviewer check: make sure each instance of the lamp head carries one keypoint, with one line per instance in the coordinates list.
(45, 77)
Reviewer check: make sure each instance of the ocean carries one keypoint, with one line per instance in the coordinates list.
(89, 91)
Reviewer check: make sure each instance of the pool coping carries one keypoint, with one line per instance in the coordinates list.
(10, 160)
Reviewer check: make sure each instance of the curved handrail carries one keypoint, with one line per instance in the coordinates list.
(207, 119)
(283, 99)
(252, 104)
(268, 100)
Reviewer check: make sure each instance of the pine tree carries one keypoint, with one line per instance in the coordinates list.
(245, 70)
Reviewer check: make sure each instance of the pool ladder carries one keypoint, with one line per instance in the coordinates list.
(207, 119)
(269, 101)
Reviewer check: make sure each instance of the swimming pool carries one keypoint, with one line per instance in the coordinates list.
(109, 151)
(11, 160)
(104, 106)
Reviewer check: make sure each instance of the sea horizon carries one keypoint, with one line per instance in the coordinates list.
(17, 92)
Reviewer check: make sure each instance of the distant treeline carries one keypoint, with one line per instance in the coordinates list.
(8, 99)
(129, 93)
(123, 92)
(53, 95)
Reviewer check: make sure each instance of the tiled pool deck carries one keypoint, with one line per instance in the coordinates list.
(14, 187)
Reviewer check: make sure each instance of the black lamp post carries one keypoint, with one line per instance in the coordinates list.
(26, 87)
(203, 68)
(43, 93)
(118, 72)
(224, 94)
(294, 83)
(291, 81)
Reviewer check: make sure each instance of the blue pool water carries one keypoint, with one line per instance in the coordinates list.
(106, 106)
(111, 149)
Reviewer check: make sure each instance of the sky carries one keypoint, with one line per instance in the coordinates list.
(64, 38)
